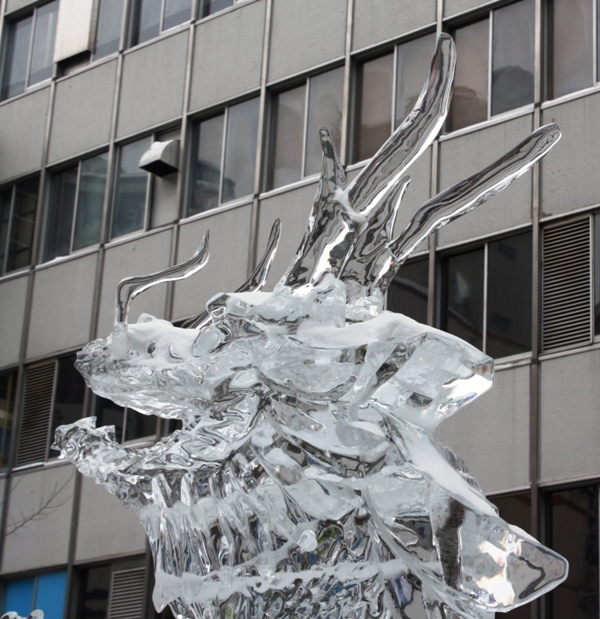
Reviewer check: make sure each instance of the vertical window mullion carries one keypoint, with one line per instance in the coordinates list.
(305, 133)
(485, 295)
(490, 68)
(162, 17)
(76, 207)
(223, 145)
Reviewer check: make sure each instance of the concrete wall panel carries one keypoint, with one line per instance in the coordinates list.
(570, 177)
(153, 83)
(43, 502)
(228, 55)
(492, 433)
(293, 208)
(380, 20)
(466, 155)
(13, 294)
(62, 306)
(140, 256)
(22, 128)
(452, 7)
(570, 424)
(226, 268)
(106, 527)
(82, 111)
(305, 34)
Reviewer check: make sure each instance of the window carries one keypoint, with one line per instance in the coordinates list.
(8, 387)
(486, 296)
(409, 290)
(129, 424)
(112, 590)
(44, 592)
(54, 394)
(17, 222)
(384, 97)
(29, 50)
(151, 17)
(488, 84)
(571, 46)
(224, 157)
(209, 7)
(572, 525)
(108, 28)
(75, 206)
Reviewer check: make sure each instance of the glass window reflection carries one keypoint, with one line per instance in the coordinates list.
(108, 29)
(22, 225)
(42, 54)
(209, 7)
(17, 57)
(206, 179)
(145, 21)
(59, 221)
(409, 290)
(8, 388)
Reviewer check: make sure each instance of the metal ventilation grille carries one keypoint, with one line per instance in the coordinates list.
(567, 285)
(127, 594)
(36, 414)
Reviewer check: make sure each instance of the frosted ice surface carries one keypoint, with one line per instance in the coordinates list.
(307, 480)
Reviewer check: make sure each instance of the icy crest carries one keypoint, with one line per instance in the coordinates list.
(307, 480)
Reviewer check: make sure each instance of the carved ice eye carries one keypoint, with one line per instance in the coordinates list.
(151, 349)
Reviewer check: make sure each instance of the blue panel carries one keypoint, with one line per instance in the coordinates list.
(51, 594)
(18, 596)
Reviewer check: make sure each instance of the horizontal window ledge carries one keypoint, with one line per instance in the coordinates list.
(246, 201)
(572, 96)
(308, 180)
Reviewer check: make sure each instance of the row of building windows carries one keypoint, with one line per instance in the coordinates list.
(110, 589)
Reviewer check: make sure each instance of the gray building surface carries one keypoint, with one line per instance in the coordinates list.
(241, 88)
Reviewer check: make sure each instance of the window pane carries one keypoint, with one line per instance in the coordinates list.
(109, 414)
(509, 296)
(176, 12)
(574, 515)
(146, 21)
(240, 150)
(23, 223)
(571, 46)
(597, 273)
(408, 291)
(470, 99)
(139, 426)
(90, 201)
(462, 310)
(131, 190)
(8, 386)
(214, 6)
(18, 596)
(108, 30)
(42, 56)
(207, 165)
(374, 118)
(5, 202)
(68, 400)
(59, 222)
(324, 110)
(17, 57)
(288, 132)
(414, 59)
(50, 595)
(513, 49)
(95, 586)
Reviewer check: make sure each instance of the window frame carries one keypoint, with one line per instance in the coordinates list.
(132, 12)
(9, 22)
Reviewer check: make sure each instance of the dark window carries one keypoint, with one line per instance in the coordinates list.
(209, 7)
(8, 387)
(486, 84)
(29, 53)
(573, 533)
(75, 206)
(490, 306)
(224, 157)
(17, 221)
(151, 17)
(597, 274)
(409, 290)
(375, 116)
(108, 28)
(129, 424)
(297, 115)
(571, 46)
(45, 592)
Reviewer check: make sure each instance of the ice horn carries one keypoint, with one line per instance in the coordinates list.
(255, 282)
(130, 287)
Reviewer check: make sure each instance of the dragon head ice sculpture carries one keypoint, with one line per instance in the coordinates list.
(306, 480)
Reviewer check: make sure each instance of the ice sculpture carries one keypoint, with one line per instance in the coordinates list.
(36, 614)
(307, 480)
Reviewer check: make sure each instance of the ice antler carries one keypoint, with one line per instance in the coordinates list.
(133, 286)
